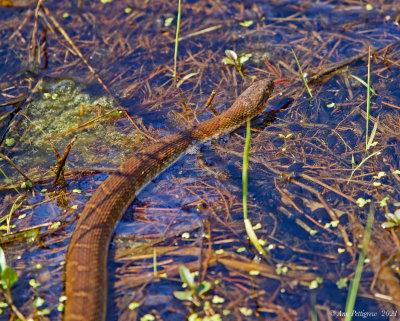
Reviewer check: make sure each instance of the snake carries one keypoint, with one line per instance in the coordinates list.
(86, 258)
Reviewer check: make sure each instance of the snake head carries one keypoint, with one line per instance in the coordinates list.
(248, 105)
(256, 96)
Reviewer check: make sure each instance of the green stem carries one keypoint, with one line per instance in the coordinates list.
(368, 96)
(178, 24)
(353, 289)
(245, 167)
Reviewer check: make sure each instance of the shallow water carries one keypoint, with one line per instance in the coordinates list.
(300, 193)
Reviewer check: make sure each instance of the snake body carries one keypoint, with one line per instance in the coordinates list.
(86, 260)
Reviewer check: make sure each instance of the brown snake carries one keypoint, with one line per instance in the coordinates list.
(86, 269)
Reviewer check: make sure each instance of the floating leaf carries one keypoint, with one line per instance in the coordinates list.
(342, 283)
(263, 242)
(244, 58)
(289, 135)
(132, 306)
(204, 287)
(10, 141)
(335, 223)
(228, 61)
(384, 202)
(38, 302)
(193, 317)
(44, 312)
(257, 226)
(362, 202)
(33, 283)
(183, 295)
(27, 184)
(55, 225)
(147, 317)
(246, 311)
(185, 235)
(380, 175)
(386, 225)
(168, 21)
(390, 217)
(313, 285)
(246, 23)
(281, 270)
(217, 299)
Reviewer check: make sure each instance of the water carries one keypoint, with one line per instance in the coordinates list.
(300, 195)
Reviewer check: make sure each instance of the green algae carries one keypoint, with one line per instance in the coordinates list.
(60, 111)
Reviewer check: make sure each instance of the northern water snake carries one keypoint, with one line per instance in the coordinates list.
(86, 270)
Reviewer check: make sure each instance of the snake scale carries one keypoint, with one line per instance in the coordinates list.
(86, 260)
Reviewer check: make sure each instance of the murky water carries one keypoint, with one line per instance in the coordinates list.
(308, 175)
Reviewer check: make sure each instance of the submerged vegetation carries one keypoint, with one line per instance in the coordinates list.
(60, 111)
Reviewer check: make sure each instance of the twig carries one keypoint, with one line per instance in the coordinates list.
(60, 166)
(33, 41)
(16, 167)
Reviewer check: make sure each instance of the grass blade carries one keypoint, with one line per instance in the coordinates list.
(353, 289)
(368, 97)
(244, 169)
(178, 26)
(155, 274)
(364, 83)
(362, 162)
(249, 227)
(302, 75)
(9, 180)
(373, 133)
